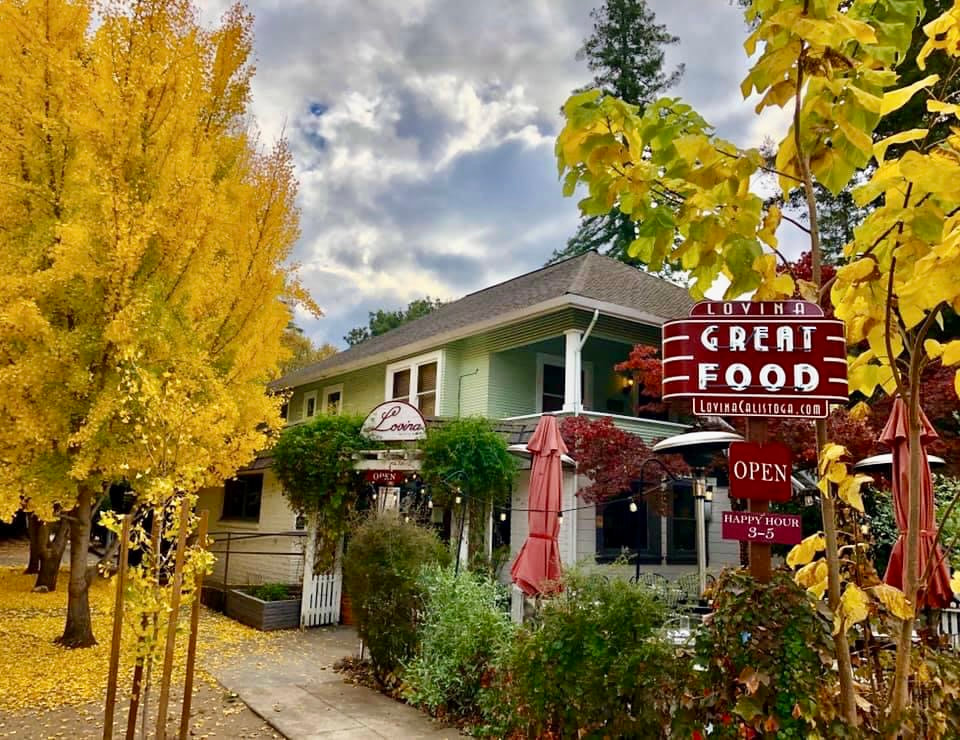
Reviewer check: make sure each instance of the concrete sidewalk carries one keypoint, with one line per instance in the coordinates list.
(296, 690)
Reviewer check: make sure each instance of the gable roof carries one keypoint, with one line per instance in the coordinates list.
(587, 280)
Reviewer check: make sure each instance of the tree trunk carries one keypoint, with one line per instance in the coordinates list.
(33, 532)
(78, 631)
(50, 554)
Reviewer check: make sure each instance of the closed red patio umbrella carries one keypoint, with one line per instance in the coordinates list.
(539, 559)
(936, 592)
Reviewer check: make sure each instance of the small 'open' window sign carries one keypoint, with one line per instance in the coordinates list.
(761, 472)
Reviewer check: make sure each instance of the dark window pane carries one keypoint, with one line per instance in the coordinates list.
(310, 406)
(553, 380)
(684, 535)
(427, 377)
(241, 497)
(401, 384)
(552, 403)
(333, 403)
(682, 528)
(621, 527)
(428, 404)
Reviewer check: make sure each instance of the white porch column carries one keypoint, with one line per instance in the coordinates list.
(572, 393)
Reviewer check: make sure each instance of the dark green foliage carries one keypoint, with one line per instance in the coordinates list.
(468, 453)
(381, 570)
(462, 630)
(766, 650)
(883, 525)
(625, 54)
(314, 464)
(383, 321)
(274, 592)
(591, 667)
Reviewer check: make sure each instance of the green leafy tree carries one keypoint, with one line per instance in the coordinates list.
(314, 464)
(625, 54)
(469, 454)
(382, 321)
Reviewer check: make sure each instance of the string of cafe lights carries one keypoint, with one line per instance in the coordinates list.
(505, 511)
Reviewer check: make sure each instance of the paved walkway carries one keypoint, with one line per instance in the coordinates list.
(296, 690)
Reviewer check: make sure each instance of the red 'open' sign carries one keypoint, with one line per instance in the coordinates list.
(765, 358)
(760, 471)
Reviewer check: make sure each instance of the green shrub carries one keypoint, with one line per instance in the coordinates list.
(461, 631)
(591, 666)
(765, 654)
(314, 464)
(274, 592)
(380, 573)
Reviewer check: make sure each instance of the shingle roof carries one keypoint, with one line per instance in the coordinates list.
(590, 275)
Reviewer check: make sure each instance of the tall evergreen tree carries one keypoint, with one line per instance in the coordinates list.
(625, 52)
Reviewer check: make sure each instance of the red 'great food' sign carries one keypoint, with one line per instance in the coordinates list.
(765, 358)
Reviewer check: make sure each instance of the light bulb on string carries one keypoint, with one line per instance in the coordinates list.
(633, 506)
(503, 516)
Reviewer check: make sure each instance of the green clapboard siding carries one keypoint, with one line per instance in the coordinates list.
(494, 374)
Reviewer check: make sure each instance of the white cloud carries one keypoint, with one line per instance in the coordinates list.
(423, 131)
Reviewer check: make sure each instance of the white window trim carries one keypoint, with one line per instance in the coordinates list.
(306, 397)
(558, 361)
(338, 388)
(410, 364)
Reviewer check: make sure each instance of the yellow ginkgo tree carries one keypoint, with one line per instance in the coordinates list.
(833, 66)
(145, 282)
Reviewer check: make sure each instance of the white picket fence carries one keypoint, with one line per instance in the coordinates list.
(320, 601)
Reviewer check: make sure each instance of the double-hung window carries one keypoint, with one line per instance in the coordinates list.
(417, 381)
(309, 405)
(333, 399)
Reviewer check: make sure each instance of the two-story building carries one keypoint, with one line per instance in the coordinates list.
(544, 342)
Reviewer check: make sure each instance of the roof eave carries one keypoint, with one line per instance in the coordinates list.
(568, 300)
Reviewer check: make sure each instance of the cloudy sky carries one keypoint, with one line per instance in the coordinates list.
(423, 133)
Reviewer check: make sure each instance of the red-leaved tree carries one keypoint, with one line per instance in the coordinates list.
(610, 457)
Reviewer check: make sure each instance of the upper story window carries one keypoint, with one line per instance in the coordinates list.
(333, 400)
(417, 381)
(309, 404)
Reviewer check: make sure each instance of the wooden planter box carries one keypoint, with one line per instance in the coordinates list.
(263, 615)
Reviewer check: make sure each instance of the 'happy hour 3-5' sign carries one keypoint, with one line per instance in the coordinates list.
(743, 358)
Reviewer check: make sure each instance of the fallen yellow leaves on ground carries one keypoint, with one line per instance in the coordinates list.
(36, 674)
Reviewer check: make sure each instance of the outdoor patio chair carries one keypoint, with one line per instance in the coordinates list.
(653, 581)
(689, 585)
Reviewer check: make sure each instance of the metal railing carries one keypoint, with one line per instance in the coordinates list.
(227, 541)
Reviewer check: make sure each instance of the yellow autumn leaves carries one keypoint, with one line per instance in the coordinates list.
(812, 573)
(39, 675)
(855, 601)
